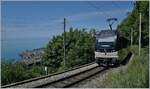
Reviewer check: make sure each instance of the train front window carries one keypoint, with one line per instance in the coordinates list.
(105, 45)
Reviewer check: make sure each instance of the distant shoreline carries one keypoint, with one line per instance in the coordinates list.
(23, 54)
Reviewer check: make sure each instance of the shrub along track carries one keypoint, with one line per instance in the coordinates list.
(64, 79)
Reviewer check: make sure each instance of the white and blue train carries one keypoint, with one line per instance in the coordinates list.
(105, 48)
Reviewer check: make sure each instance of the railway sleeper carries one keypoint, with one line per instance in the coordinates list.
(81, 77)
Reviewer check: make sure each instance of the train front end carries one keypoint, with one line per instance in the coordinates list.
(105, 48)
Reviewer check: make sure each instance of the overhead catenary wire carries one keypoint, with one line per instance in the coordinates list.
(99, 9)
(116, 5)
(120, 10)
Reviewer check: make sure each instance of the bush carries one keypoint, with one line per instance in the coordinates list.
(79, 50)
(14, 72)
(123, 53)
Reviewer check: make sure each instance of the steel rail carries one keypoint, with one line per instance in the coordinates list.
(73, 79)
(42, 77)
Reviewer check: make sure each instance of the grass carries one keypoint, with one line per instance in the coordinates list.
(135, 76)
(123, 53)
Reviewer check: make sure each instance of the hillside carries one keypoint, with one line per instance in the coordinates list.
(132, 23)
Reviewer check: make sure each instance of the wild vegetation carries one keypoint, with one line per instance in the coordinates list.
(132, 23)
(79, 50)
(13, 72)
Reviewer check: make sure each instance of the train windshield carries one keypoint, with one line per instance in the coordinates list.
(105, 44)
(106, 40)
(100, 46)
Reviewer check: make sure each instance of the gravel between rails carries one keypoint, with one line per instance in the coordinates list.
(53, 78)
(92, 81)
(75, 78)
(97, 80)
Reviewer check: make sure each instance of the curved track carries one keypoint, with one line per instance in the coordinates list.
(62, 79)
(71, 80)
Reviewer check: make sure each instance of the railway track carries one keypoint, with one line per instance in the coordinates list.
(71, 80)
(62, 79)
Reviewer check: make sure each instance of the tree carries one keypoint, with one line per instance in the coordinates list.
(79, 49)
(132, 22)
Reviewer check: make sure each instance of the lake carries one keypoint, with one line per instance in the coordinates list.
(10, 49)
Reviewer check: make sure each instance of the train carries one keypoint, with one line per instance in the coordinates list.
(106, 53)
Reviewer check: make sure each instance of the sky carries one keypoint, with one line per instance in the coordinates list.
(41, 20)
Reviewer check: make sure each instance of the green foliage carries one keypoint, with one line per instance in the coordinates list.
(13, 72)
(132, 22)
(53, 53)
(123, 53)
(79, 49)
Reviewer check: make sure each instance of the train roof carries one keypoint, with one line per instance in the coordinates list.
(106, 33)
(106, 36)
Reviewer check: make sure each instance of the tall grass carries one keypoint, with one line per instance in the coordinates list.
(135, 76)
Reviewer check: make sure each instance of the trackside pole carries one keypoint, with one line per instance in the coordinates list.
(140, 35)
(64, 42)
(46, 72)
(131, 36)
